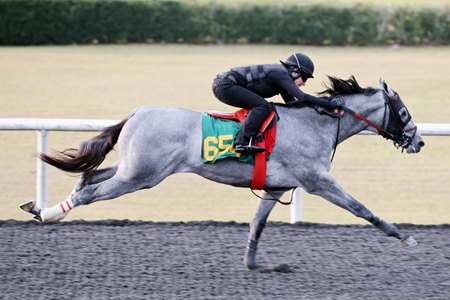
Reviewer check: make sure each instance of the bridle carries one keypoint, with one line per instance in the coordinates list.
(394, 130)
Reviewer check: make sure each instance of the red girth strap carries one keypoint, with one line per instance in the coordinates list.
(260, 168)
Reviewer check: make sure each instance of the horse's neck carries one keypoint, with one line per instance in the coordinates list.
(369, 107)
(306, 126)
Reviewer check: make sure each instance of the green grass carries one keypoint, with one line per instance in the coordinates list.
(107, 82)
(410, 3)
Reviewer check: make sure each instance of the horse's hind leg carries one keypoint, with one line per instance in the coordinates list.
(119, 184)
(99, 176)
(265, 206)
(59, 211)
(108, 189)
(129, 176)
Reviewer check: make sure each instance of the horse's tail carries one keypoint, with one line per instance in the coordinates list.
(90, 155)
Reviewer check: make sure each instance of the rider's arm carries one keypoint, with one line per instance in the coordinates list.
(287, 84)
(288, 98)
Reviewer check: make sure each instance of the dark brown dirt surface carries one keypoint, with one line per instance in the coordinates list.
(203, 260)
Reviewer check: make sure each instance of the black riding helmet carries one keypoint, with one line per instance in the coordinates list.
(301, 65)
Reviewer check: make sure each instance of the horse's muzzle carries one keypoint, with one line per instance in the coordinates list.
(415, 146)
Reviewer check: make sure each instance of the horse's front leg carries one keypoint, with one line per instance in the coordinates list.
(263, 210)
(327, 187)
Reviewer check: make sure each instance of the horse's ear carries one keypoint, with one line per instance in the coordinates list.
(390, 92)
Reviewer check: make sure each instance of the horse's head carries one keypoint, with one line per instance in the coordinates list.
(386, 115)
(400, 127)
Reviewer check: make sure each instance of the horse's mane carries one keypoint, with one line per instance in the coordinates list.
(345, 87)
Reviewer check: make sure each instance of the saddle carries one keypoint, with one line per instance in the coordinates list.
(265, 139)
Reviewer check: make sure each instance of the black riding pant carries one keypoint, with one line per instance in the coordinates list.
(227, 91)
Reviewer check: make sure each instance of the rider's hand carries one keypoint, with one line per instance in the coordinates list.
(336, 103)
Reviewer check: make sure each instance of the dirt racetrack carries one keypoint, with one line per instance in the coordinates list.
(203, 260)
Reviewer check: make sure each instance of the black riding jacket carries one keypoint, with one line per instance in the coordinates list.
(272, 79)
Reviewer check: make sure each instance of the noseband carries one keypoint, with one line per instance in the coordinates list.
(395, 129)
(399, 117)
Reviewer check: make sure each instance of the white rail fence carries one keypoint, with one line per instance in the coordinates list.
(43, 126)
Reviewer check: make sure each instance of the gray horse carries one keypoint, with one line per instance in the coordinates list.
(155, 142)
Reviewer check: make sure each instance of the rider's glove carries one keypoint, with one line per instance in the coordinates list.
(336, 103)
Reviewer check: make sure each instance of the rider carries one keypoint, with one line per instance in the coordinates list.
(247, 86)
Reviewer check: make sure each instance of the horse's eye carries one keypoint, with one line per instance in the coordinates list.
(403, 113)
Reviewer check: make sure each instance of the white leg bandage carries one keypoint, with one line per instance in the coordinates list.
(59, 211)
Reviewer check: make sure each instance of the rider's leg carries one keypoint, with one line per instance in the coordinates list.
(250, 128)
(238, 96)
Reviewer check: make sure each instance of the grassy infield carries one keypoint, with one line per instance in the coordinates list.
(109, 81)
(411, 3)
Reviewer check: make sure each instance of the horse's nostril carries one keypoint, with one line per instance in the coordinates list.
(421, 144)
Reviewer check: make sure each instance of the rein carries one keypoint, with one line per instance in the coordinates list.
(381, 131)
(358, 116)
(275, 198)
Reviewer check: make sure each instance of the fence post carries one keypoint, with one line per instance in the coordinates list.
(41, 170)
(296, 209)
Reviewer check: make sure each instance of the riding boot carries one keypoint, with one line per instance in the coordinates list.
(250, 128)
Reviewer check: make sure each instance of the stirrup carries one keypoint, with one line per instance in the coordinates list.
(242, 148)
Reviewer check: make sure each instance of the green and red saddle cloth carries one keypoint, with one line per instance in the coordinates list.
(219, 130)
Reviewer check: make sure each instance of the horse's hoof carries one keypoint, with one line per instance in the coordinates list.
(31, 208)
(27, 206)
(408, 242)
(252, 267)
(38, 218)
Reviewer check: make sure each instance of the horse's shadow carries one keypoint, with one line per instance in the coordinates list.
(281, 268)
